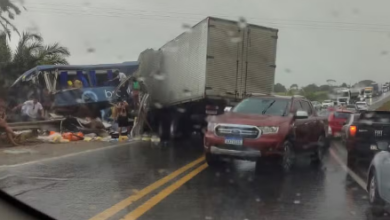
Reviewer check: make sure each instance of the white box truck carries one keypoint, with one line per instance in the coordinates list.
(215, 64)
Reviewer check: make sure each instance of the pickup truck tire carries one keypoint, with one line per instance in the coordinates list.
(320, 151)
(213, 160)
(377, 203)
(288, 157)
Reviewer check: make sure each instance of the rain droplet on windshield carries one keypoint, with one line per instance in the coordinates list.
(91, 50)
(258, 200)
(158, 105)
(230, 33)
(384, 52)
(297, 202)
(187, 92)
(227, 170)
(159, 75)
(187, 28)
(231, 181)
(298, 194)
(242, 22)
(208, 218)
(181, 110)
(235, 39)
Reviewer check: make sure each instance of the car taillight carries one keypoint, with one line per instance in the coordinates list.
(352, 130)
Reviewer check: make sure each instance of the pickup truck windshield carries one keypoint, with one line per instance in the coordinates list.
(261, 106)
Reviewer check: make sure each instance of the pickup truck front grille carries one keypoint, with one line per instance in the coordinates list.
(243, 131)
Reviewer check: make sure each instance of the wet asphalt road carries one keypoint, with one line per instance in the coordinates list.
(82, 186)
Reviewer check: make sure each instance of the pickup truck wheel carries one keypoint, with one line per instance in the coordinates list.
(212, 160)
(288, 157)
(320, 150)
(377, 203)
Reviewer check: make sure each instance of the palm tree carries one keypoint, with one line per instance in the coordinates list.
(30, 52)
(9, 8)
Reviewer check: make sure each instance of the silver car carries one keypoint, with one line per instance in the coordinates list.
(378, 186)
(316, 105)
(361, 105)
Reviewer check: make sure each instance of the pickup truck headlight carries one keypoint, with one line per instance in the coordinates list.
(211, 126)
(269, 130)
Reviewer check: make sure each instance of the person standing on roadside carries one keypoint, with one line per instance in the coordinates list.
(122, 113)
(4, 127)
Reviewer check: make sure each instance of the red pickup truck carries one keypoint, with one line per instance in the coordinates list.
(261, 127)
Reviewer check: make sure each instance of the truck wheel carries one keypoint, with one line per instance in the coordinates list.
(174, 128)
(377, 203)
(320, 150)
(212, 160)
(288, 157)
(163, 129)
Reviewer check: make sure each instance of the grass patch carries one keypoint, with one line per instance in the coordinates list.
(384, 107)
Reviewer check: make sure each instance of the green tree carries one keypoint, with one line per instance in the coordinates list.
(30, 52)
(324, 88)
(294, 86)
(344, 85)
(279, 88)
(8, 7)
(311, 88)
(365, 83)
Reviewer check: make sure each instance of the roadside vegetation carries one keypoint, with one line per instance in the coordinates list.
(315, 92)
(384, 107)
(30, 51)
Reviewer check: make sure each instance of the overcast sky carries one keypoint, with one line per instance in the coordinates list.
(346, 40)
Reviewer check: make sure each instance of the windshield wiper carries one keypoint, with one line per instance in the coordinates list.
(269, 106)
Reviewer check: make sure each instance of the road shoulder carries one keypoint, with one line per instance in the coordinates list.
(42, 151)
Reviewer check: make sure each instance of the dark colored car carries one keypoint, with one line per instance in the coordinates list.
(366, 134)
(336, 121)
(378, 180)
(259, 128)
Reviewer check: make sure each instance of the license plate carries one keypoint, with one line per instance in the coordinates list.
(233, 141)
(211, 112)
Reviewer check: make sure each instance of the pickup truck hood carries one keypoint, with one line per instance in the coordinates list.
(249, 119)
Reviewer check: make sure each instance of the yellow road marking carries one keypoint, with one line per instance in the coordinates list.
(140, 210)
(126, 202)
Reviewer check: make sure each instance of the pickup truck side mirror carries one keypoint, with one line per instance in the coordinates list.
(301, 114)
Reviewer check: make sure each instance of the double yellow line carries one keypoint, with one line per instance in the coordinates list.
(140, 210)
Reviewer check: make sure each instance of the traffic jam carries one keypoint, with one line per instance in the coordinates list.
(164, 138)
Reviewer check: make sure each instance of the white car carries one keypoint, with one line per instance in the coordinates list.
(361, 105)
(327, 103)
(316, 105)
